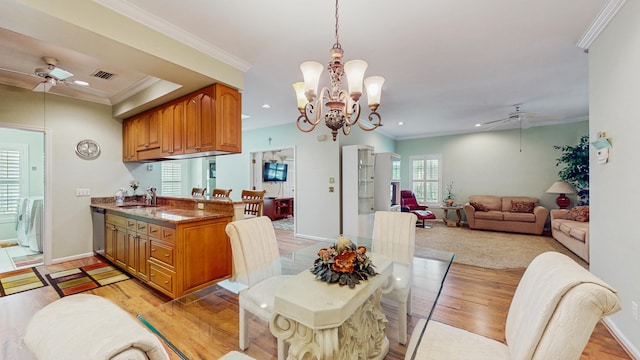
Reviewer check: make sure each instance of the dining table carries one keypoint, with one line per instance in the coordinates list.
(324, 320)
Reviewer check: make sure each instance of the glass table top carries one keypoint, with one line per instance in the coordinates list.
(204, 324)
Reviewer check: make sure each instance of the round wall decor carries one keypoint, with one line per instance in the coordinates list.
(88, 149)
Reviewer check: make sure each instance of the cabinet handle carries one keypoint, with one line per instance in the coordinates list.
(146, 145)
(153, 231)
(140, 227)
(153, 250)
(166, 281)
(152, 275)
(166, 255)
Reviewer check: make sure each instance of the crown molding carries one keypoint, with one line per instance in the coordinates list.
(599, 23)
(124, 8)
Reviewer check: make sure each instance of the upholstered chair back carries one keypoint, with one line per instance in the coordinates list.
(394, 235)
(408, 201)
(555, 308)
(255, 250)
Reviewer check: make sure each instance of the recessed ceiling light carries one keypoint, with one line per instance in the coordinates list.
(478, 125)
(80, 82)
(266, 106)
(243, 116)
(400, 123)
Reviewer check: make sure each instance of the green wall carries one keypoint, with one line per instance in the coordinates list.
(491, 163)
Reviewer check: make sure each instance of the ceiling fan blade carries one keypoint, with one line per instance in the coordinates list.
(18, 72)
(43, 86)
(496, 121)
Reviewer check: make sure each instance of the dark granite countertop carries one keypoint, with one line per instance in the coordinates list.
(164, 213)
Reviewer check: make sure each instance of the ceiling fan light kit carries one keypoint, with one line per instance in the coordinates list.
(342, 107)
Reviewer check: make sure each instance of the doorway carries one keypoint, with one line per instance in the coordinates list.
(22, 189)
(278, 188)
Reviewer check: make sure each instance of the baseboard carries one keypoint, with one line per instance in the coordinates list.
(69, 258)
(623, 340)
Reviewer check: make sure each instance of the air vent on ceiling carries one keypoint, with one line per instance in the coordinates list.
(103, 74)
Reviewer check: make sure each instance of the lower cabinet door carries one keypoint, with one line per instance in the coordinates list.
(162, 279)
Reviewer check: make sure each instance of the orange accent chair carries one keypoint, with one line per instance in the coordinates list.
(408, 203)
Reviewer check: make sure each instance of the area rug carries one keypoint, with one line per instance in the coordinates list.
(284, 223)
(17, 281)
(73, 281)
(27, 260)
(488, 249)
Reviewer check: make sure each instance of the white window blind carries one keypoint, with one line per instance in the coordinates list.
(426, 178)
(171, 178)
(10, 179)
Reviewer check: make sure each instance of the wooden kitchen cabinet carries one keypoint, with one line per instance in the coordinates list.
(174, 259)
(207, 122)
(129, 152)
(213, 120)
(172, 129)
(147, 128)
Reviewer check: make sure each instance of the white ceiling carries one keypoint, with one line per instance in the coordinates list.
(448, 64)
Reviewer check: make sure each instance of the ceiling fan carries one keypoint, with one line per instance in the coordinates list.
(524, 119)
(52, 75)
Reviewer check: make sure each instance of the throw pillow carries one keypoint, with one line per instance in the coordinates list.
(578, 213)
(479, 207)
(522, 206)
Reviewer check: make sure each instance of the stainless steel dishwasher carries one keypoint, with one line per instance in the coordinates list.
(97, 216)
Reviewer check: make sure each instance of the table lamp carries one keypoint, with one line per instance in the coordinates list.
(562, 188)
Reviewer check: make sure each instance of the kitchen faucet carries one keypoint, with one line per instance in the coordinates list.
(151, 196)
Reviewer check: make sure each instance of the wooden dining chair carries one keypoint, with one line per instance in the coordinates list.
(253, 201)
(221, 192)
(198, 191)
(394, 235)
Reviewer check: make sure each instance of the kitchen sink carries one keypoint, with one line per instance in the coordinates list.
(136, 206)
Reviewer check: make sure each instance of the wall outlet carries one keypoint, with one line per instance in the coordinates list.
(200, 206)
(634, 310)
(83, 192)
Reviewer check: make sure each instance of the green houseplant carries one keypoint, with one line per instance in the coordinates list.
(574, 163)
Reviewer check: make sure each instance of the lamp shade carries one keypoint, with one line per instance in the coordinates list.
(561, 187)
(355, 73)
(302, 99)
(374, 89)
(311, 71)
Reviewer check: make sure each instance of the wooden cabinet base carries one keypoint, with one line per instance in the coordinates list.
(174, 259)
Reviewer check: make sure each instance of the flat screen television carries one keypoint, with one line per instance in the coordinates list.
(275, 172)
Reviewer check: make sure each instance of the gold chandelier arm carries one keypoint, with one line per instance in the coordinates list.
(375, 120)
(304, 123)
(355, 114)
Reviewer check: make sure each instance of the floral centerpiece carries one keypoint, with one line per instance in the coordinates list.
(134, 185)
(343, 263)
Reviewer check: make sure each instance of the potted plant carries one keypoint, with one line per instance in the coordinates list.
(575, 167)
(448, 200)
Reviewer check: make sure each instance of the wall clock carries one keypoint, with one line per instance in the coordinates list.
(88, 149)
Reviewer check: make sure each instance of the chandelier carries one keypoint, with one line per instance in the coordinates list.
(342, 109)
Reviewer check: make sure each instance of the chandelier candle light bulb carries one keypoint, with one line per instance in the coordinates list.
(342, 108)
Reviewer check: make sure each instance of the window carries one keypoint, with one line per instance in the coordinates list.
(171, 178)
(426, 178)
(13, 178)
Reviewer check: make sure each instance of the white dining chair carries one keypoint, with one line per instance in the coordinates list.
(394, 235)
(256, 264)
(552, 315)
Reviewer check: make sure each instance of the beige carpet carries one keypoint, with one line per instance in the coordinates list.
(488, 249)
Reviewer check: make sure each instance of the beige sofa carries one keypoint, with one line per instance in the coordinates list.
(521, 214)
(574, 235)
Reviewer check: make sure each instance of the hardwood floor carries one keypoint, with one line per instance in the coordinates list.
(473, 298)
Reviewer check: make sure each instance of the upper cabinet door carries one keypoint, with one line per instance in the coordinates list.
(228, 123)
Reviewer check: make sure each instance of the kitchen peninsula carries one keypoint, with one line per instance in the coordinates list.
(177, 246)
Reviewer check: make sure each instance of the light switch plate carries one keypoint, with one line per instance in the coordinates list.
(83, 192)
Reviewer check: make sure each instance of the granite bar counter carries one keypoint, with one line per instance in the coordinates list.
(177, 246)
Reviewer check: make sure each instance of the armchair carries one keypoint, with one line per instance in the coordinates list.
(409, 203)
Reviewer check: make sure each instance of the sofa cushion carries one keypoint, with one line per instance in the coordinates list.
(578, 213)
(576, 229)
(522, 217)
(489, 201)
(489, 215)
(506, 201)
(478, 206)
(522, 206)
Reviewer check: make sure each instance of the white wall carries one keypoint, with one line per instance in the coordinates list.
(71, 121)
(614, 88)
